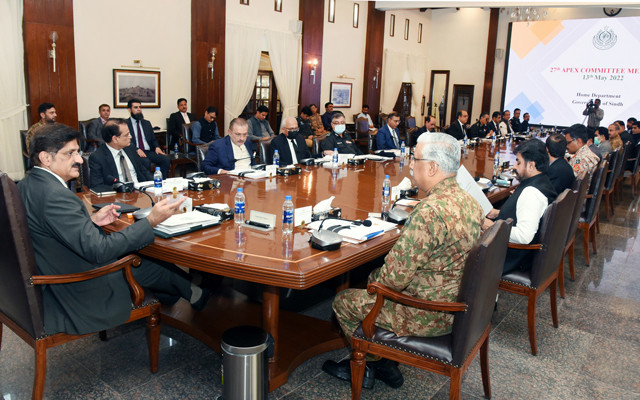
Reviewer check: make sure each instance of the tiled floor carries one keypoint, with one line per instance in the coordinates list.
(593, 354)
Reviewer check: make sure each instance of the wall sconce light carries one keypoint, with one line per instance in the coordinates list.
(52, 53)
(213, 60)
(313, 65)
(377, 77)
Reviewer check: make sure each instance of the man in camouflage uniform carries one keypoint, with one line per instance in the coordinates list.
(582, 158)
(426, 262)
(47, 112)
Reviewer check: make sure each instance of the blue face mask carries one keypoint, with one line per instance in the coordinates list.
(596, 141)
(339, 129)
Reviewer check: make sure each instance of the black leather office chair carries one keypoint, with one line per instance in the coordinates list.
(449, 354)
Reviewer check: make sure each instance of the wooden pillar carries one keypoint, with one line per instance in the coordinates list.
(41, 17)
(373, 60)
(311, 13)
(490, 60)
(208, 23)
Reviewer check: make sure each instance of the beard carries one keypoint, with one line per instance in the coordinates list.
(138, 117)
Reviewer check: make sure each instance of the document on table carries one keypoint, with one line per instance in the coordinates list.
(354, 233)
(186, 222)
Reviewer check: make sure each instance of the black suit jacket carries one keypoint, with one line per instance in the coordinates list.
(560, 174)
(65, 240)
(147, 129)
(280, 143)
(103, 169)
(492, 126)
(176, 121)
(455, 130)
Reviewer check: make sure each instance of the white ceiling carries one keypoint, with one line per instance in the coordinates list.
(413, 4)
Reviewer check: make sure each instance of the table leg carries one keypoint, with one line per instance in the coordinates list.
(270, 314)
(343, 282)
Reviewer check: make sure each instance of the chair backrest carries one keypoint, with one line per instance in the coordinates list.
(626, 151)
(592, 205)
(85, 172)
(201, 153)
(19, 301)
(634, 169)
(580, 186)
(616, 160)
(315, 147)
(25, 153)
(372, 145)
(553, 229)
(264, 154)
(411, 122)
(82, 129)
(362, 126)
(187, 136)
(478, 289)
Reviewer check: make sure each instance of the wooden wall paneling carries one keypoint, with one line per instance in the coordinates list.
(208, 24)
(490, 61)
(41, 17)
(373, 60)
(311, 13)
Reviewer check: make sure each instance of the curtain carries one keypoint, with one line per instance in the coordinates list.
(13, 114)
(285, 53)
(242, 58)
(394, 69)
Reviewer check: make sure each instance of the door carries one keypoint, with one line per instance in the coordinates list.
(462, 100)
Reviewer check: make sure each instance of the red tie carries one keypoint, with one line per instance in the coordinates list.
(140, 140)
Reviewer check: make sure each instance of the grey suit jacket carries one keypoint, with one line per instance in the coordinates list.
(94, 132)
(65, 240)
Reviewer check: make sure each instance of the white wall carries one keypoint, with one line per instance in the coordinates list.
(107, 36)
(458, 42)
(343, 51)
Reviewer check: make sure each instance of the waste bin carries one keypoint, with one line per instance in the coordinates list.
(244, 363)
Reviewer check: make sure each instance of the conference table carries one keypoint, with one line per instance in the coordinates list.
(277, 261)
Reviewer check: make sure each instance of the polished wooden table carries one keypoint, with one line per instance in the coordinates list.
(276, 261)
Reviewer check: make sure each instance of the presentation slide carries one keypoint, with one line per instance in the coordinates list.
(556, 67)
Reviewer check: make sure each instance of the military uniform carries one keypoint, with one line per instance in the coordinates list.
(344, 143)
(584, 160)
(32, 132)
(426, 262)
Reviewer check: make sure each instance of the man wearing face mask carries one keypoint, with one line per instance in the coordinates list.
(289, 143)
(339, 138)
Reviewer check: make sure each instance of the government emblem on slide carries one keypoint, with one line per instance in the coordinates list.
(605, 39)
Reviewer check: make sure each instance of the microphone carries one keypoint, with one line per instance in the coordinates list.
(397, 216)
(144, 212)
(355, 222)
(121, 187)
(325, 240)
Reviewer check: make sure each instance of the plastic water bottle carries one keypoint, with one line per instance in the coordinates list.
(239, 207)
(287, 215)
(157, 183)
(496, 165)
(175, 149)
(276, 158)
(403, 150)
(386, 191)
(334, 158)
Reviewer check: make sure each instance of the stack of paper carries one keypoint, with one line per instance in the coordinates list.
(249, 173)
(186, 222)
(167, 185)
(353, 233)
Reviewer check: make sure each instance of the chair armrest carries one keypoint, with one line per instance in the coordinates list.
(588, 196)
(383, 292)
(137, 293)
(525, 246)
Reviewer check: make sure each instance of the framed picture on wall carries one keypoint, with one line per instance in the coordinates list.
(133, 84)
(341, 94)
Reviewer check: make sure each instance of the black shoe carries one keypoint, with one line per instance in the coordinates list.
(387, 371)
(342, 370)
(202, 301)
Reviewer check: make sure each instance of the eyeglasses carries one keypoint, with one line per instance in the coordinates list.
(419, 159)
(69, 154)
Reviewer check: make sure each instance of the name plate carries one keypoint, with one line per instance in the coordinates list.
(302, 215)
(263, 218)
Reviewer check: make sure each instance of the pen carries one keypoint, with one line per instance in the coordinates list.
(373, 234)
(258, 224)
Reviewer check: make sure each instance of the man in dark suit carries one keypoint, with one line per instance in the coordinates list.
(289, 143)
(338, 138)
(66, 239)
(494, 125)
(479, 129)
(232, 152)
(559, 172)
(176, 120)
(459, 127)
(94, 130)
(524, 126)
(388, 137)
(115, 159)
(144, 140)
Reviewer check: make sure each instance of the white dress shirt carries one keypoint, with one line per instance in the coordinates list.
(529, 209)
(294, 157)
(185, 116)
(242, 156)
(116, 157)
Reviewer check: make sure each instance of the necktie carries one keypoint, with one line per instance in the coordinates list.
(295, 145)
(125, 168)
(464, 131)
(395, 139)
(140, 140)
